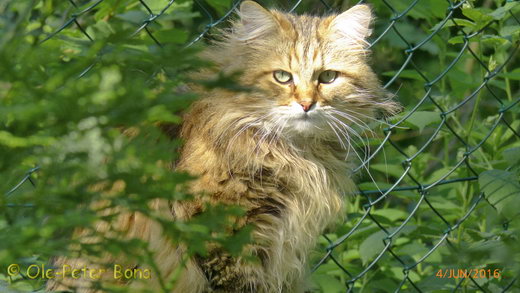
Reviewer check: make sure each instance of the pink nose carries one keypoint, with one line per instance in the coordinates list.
(307, 105)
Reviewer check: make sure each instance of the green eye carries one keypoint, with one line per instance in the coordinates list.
(328, 76)
(282, 76)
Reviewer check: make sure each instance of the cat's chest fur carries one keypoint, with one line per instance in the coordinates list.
(239, 168)
(291, 193)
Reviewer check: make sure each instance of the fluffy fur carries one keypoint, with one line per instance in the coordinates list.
(261, 149)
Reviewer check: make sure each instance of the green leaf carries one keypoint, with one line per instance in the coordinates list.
(478, 15)
(328, 283)
(12, 141)
(160, 113)
(456, 40)
(426, 9)
(512, 156)
(445, 206)
(515, 74)
(421, 119)
(373, 244)
(437, 8)
(100, 30)
(455, 22)
(407, 73)
(391, 214)
(4, 286)
(175, 36)
(433, 283)
(438, 174)
(414, 249)
(502, 189)
(500, 12)
(134, 16)
(494, 40)
(158, 5)
(390, 169)
(220, 5)
(509, 30)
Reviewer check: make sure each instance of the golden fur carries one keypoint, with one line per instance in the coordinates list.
(288, 168)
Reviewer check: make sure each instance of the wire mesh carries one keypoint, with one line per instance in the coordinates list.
(409, 181)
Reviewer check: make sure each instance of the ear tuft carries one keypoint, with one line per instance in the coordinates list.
(353, 24)
(255, 21)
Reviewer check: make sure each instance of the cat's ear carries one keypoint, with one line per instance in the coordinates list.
(255, 21)
(353, 24)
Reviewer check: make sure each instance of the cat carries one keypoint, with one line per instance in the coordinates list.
(283, 150)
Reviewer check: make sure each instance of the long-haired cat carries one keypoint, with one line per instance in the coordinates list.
(281, 150)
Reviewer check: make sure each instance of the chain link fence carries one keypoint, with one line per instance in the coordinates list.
(420, 156)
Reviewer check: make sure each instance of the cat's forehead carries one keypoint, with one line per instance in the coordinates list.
(305, 42)
(304, 25)
(275, 39)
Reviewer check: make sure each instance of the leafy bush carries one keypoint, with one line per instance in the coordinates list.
(67, 98)
(443, 189)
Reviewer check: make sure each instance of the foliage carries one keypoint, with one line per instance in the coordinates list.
(438, 216)
(83, 105)
(452, 164)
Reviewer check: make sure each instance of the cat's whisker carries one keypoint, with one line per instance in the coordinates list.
(368, 117)
(386, 166)
(273, 133)
(365, 145)
(346, 127)
(277, 132)
(363, 127)
(233, 124)
(352, 118)
(367, 155)
(346, 146)
(243, 129)
(367, 152)
(337, 135)
(366, 167)
(269, 128)
(344, 131)
(260, 132)
(266, 131)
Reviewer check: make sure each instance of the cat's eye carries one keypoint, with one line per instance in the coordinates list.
(328, 76)
(282, 76)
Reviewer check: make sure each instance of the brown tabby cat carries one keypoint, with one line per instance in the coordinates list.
(282, 151)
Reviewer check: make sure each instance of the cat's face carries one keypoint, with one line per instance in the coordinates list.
(309, 73)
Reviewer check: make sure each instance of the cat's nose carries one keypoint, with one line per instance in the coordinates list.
(307, 105)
